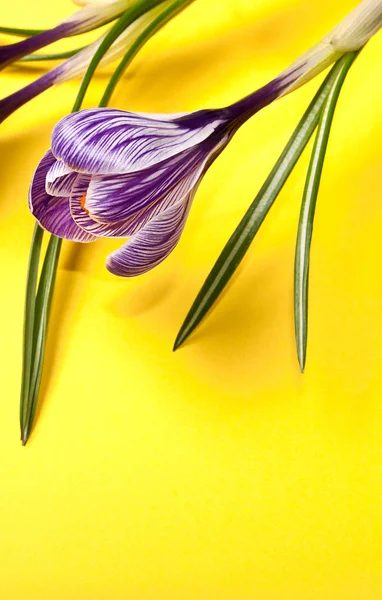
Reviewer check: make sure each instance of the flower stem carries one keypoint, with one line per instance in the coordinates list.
(308, 205)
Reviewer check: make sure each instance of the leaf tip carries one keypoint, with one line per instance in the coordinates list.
(301, 362)
(25, 436)
(178, 342)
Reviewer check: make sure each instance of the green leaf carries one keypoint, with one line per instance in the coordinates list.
(30, 301)
(20, 32)
(23, 32)
(308, 205)
(240, 240)
(42, 311)
(56, 56)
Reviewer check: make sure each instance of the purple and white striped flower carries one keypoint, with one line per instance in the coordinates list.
(76, 65)
(90, 16)
(136, 176)
(119, 174)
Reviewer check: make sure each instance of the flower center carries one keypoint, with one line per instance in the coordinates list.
(82, 202)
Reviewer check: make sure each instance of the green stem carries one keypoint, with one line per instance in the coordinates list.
(308, 205)
(30, 302)
(239, 242)
(56, 56)
(42, 311)
(21, 32)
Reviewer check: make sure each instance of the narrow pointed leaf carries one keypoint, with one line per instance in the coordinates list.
(56, 56)
(21, 32)
(240, 240)
(305, 228)
(30, 301)
(42, 311)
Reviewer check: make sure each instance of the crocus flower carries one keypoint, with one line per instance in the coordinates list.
(76, 65)
(91, 15)
(119, 174)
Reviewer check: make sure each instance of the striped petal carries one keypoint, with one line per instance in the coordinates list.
(81, 216)
(131, 225)
(51, 212)
(59, 179)
(153, 243)
(58, 220)
(112, 198)
(108, 141)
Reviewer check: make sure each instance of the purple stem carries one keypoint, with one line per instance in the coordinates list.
(233, 116)
(12, 52)
(242, 110)
(11, 103)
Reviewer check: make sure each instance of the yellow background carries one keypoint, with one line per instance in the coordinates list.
(217, 472)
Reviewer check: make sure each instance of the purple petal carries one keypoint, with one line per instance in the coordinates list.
(53, 213)
(110, 141)
(129, 226)
(81, 216)
(112, 198)
(153, 243)
(60, 179)
(58, 220)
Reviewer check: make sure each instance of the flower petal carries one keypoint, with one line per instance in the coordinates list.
(153, 243)
(59, 179)
(110, 141)
(53, 213)
(58, 220)
(82, 219)
(131, 225)
(113, 198)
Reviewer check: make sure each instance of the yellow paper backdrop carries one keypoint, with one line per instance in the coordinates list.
(217, 472)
